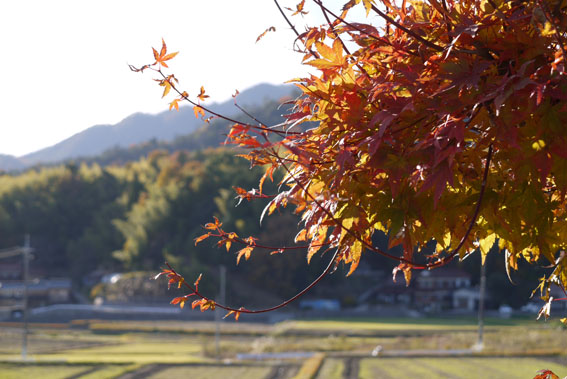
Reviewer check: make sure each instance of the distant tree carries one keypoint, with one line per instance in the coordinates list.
(444, 122)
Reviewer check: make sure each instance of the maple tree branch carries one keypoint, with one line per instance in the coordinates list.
(248, 114)
(417, 36)
(498, 11)
(338, 222)
(406, 30)
(413, 265)
(314, 54)
(377, 38)
(549, 17)
(223, 234)
(446, 18)
(281, 305)
(315, 163)
(345, 48)
(363, 32)
(226, 118)
(450, 257)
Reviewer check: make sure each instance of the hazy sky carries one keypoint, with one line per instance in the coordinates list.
(64, 64)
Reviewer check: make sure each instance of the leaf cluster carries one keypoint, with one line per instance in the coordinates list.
(442, 123)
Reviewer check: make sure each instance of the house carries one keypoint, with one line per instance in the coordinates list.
(320, 304)
(389, 292)
(40, 291)
(466, 299)
(10, 271)
(435, 290)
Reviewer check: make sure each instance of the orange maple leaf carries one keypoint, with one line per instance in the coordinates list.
(244, 252)
(546, 374)
(162, 56)
(174, 104)
(200, 238)
(202, 95)
(198, 111)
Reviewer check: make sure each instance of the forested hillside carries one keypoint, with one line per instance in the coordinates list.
(130, 209)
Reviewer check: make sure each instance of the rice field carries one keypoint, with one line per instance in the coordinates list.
(208, 372)
(456, 368)
(340, 349)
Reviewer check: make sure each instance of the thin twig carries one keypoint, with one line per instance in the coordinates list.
(345, 48)
(281, 305)
(226, 118)
(406, 30)
(293, 28)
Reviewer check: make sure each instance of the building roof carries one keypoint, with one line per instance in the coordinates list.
(42, 284)
(444, 272)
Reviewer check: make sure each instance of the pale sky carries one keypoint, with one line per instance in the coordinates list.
(64, 63)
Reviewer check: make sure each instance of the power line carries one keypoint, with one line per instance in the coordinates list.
(11, 252)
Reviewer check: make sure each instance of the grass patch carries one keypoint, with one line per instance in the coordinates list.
(310, 367)
(120, 358)
(388, 324)
(213, 372)
(22, 370)
(142, 348)
(111, 372)
(460, 368)
(194, 327)
(60, 371)
(332, 369)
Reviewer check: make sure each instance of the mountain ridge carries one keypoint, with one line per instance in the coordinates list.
(139, 128)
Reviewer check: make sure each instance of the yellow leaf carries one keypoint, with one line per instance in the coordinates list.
(348, 222)
(486, 244)
(367, 6)
(355, 254)
(174, 104)
(380, 226)
(548, 30)
(407, 276)
(538, 145)
(244, 252)
(316, 242)
(321, 63)
(447, 239)
(198, 111)
(167, 88)
(301, 236)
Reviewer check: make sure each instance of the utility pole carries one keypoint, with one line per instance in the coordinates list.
(26, 257)
(222, 299)
(480, 342)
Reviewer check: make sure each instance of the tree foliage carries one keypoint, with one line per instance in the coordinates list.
(87, 220)
(442, 123)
